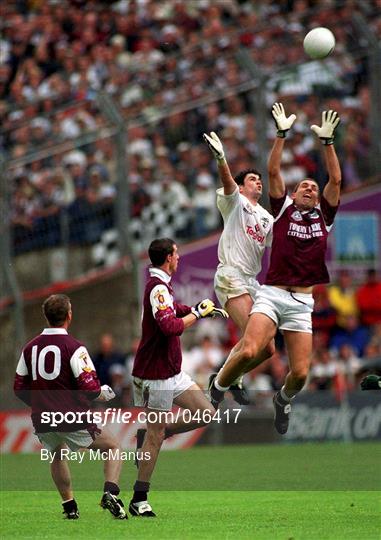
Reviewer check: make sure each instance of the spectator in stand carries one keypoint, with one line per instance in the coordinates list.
(205, 217)
(369, 299)
(342, 297)
(372, 351)
(324, 315)
(149, 57)
(203, 359)
(323, 370)
(276, 368)
(139, 198)
(376, 334)
(108, 359)
(353, 334)
(348, 364)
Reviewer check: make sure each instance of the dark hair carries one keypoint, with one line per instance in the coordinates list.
(240, 177)
(160, 249)
(56, 309)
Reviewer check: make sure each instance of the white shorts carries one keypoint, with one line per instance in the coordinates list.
(289, 311)
(229, 282)
(160, 394)
(75, 440)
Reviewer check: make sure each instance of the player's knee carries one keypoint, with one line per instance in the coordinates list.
(270, 350)
(114, 445)
(156, 436)
(300, 375)
(248, 352)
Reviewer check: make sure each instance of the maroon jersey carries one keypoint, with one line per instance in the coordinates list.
(299, 243)
(55, 374)
(159, 352)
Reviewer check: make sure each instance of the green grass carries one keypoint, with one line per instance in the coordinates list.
(260, 515)
(310, 491)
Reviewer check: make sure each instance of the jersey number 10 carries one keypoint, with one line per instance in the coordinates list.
(38, 365)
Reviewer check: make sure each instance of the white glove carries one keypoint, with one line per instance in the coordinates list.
(106, 394)
(282, 122)
(329, 122)
(206, 308)
(215, 145)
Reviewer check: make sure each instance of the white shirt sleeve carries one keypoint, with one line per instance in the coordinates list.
(226, 203)
(269, 235)
(81, 362)
(21, 366)
(160, 299)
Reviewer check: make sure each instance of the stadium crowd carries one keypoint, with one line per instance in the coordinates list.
(347, 344)
(153, 57)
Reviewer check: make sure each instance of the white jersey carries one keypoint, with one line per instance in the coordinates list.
(247, 232)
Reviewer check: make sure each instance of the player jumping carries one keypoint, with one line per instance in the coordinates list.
(301, 226)
(247, 232)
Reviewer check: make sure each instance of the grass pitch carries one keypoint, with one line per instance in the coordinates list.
(310, 491)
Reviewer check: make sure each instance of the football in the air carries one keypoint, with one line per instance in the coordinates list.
(319, 43)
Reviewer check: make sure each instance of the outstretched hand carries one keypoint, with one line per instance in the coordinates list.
(206, 308)
(329, 122)
(214, 143)
(282, 122)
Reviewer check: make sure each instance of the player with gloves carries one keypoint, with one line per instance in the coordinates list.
(56, 377)
(302, 222)
(157, 377)
(240, 260)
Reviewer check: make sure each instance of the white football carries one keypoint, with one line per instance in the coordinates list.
(319, 42)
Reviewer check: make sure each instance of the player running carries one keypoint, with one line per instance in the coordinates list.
(301, 226)
(247, 232)
(55, 374)
(158, 380)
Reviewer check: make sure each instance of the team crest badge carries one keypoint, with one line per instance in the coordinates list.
(159, 296)
(265, 222)
(297, 216)
(83, 356)
(87, 369)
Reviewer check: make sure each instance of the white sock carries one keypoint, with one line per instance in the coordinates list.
(219, 387)
(238, 381)
(284, 396)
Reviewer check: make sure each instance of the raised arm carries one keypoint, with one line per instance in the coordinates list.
(329, 123)
(227, 180)
(283, 123)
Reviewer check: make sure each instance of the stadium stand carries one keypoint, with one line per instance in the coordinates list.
(154, 59)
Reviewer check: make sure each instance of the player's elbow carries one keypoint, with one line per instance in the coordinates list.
(273, 170)
(335, 180)
(170, 332)
(173, 327)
